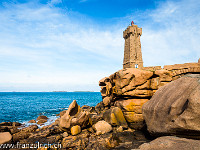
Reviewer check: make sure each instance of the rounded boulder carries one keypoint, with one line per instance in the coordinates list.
(174, 109)
(102, 127)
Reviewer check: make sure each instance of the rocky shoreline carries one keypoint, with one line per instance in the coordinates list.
(143, 109)
(85, 128)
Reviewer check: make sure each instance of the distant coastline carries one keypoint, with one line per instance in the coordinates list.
(73, 91)
(59, 91)
(83, 91)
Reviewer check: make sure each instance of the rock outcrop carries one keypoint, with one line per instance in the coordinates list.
(174, 109)
(11, 127)
(113, 135)
(32, 121)
(127, 110)
(75, 130)
(102, 127)
(115, 117)
(74, 116)
(130, 88)
(41, 119)
(171, 143)
(24, 133)
(5, 137)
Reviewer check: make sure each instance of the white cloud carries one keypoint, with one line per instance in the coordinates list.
(171, 33)
(42, 48)
(53, 2)
(40, 45)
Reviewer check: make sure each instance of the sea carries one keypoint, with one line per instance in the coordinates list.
(24, 106)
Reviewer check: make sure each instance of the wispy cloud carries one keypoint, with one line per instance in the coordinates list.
(171, 33)
(43, 47)
(53, 2)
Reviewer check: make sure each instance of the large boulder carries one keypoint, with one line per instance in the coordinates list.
(115, 117)
(130, 82)
(5, 137)
(174, 109)
(102, 127)
(41, 119)
(75, 130)
(74, 116)
(127, 80)
(132, 109)
(32, 121)
(81, 119)
(171, 143)
(131, 105)
(72, 111)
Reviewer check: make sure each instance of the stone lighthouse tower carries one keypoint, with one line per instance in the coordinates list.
(132, 48)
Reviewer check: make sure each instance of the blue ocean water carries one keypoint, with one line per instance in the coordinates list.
(24, 106)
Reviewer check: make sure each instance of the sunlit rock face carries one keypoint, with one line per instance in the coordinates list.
(130, 88)
(174, 109)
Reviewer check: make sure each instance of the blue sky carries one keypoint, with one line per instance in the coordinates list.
(48, 45)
